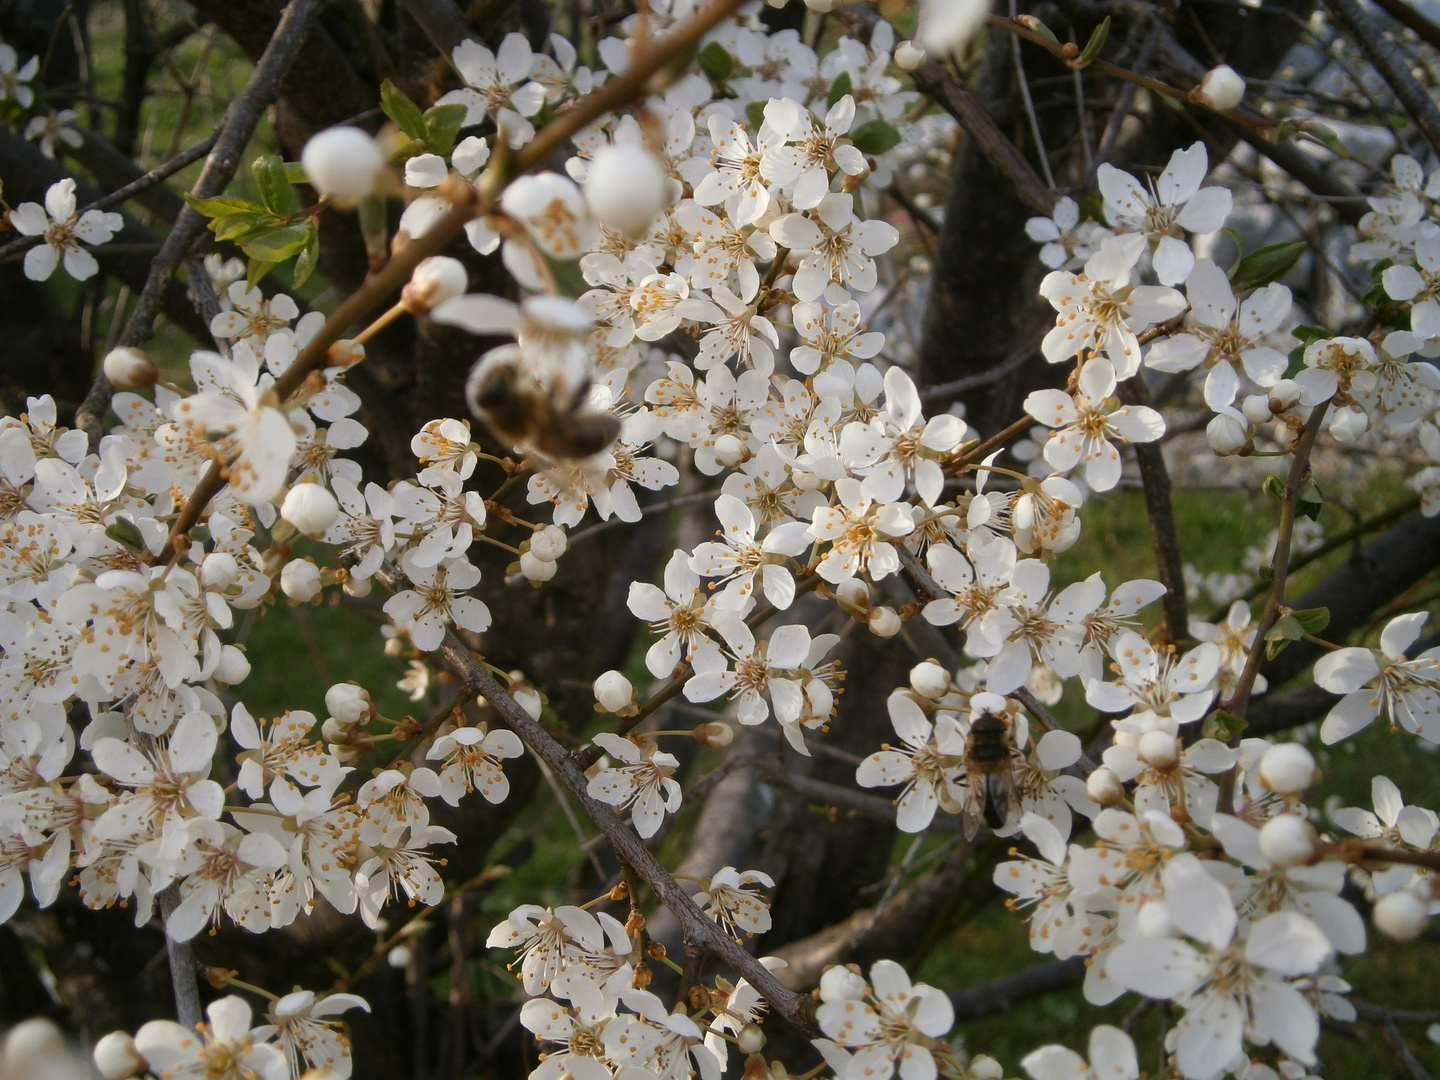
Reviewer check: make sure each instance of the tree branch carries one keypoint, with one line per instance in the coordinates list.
(629, 848)
(1160, 509)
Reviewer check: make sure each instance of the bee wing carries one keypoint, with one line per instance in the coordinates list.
(974, 815)
(1004, 799)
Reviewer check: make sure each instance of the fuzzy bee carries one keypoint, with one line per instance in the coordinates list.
(989, 775)
(554, 420)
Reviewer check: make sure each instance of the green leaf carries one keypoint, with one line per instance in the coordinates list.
(717, 64)
(1328, 139)
(239, 227)
(1224, 726)
(755, 114)
(1096, 42)
(1237, 239)
(875, 137)
(1282, 131)
(1266, 264)
(1274, 487)
(309, 257)
(442, 127)
(838, 89)
(275, 190)
(1040, 28)
(1312, 620)
(214, 208)
(1174, 102)
(1286, 630)
(1309, 334)
(277, 245)
(255, 270)
(295, 173)
(123, 531)
(402, 110)
(1309, 501)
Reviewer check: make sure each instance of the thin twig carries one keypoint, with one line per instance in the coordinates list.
(1029, 103)
(182, 964)
(120, 195)
(1012, 363)
(1392, 65)
(1424, 29)
(229, 144)
(1160, 509)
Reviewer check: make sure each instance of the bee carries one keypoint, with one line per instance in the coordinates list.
(554, 420)
(989, 774)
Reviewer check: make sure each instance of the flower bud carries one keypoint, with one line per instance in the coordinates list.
(310, 508)
(435, 280)
(359, 587)
(1226, 433)
(1256, 409)
(714, 734)
(219, 570)
(116, 1057)
(300, 580)
(343, 163)
(1153, 920)
(729, 451)
(528, 698)
(839, 983)
(535, 568)
(613, 690)
(1284, 395)
(1401, 915)
(36, 1047)
(1287, 840)
(348, 703)
(398, 957)
(929, 679)
(1159, 749)
(333, 730)
(130, 369)
(1287, 768)
(548, 543)
(1347, 425)
(1222, 88)
(626, 188)
(909, 56)
(233, 668)
(1104, 787)
(853, 594)
(985, 1067)
(884, 621)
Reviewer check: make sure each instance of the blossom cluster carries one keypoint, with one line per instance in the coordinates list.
(731, 243)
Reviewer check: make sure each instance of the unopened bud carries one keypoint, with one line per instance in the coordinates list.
(1256, 408)
(535, 568)
(310, 508)
(343, 163)
(985, 1067)
(116, 1057)
(348, 703)
(840, 983)
(1287, 768)
(751, 1039)
(300, 580)
(929, 679)
(435, 280)
(1284, 395)
(1159, 750)
(219, 570)
(1347, 425)
(613, 690)
(1104, 787)
(729, 451)
(1222, 88)
(233, 668)
(1401, 915)
(528, 698)
(854, 595)
(1288, 840)
(884, 621)
(1227, 433)
(359, 587)
(398, 957)
(548, 543)
(130, 369)
(626, 188)
(714, 734)
(909, 56)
